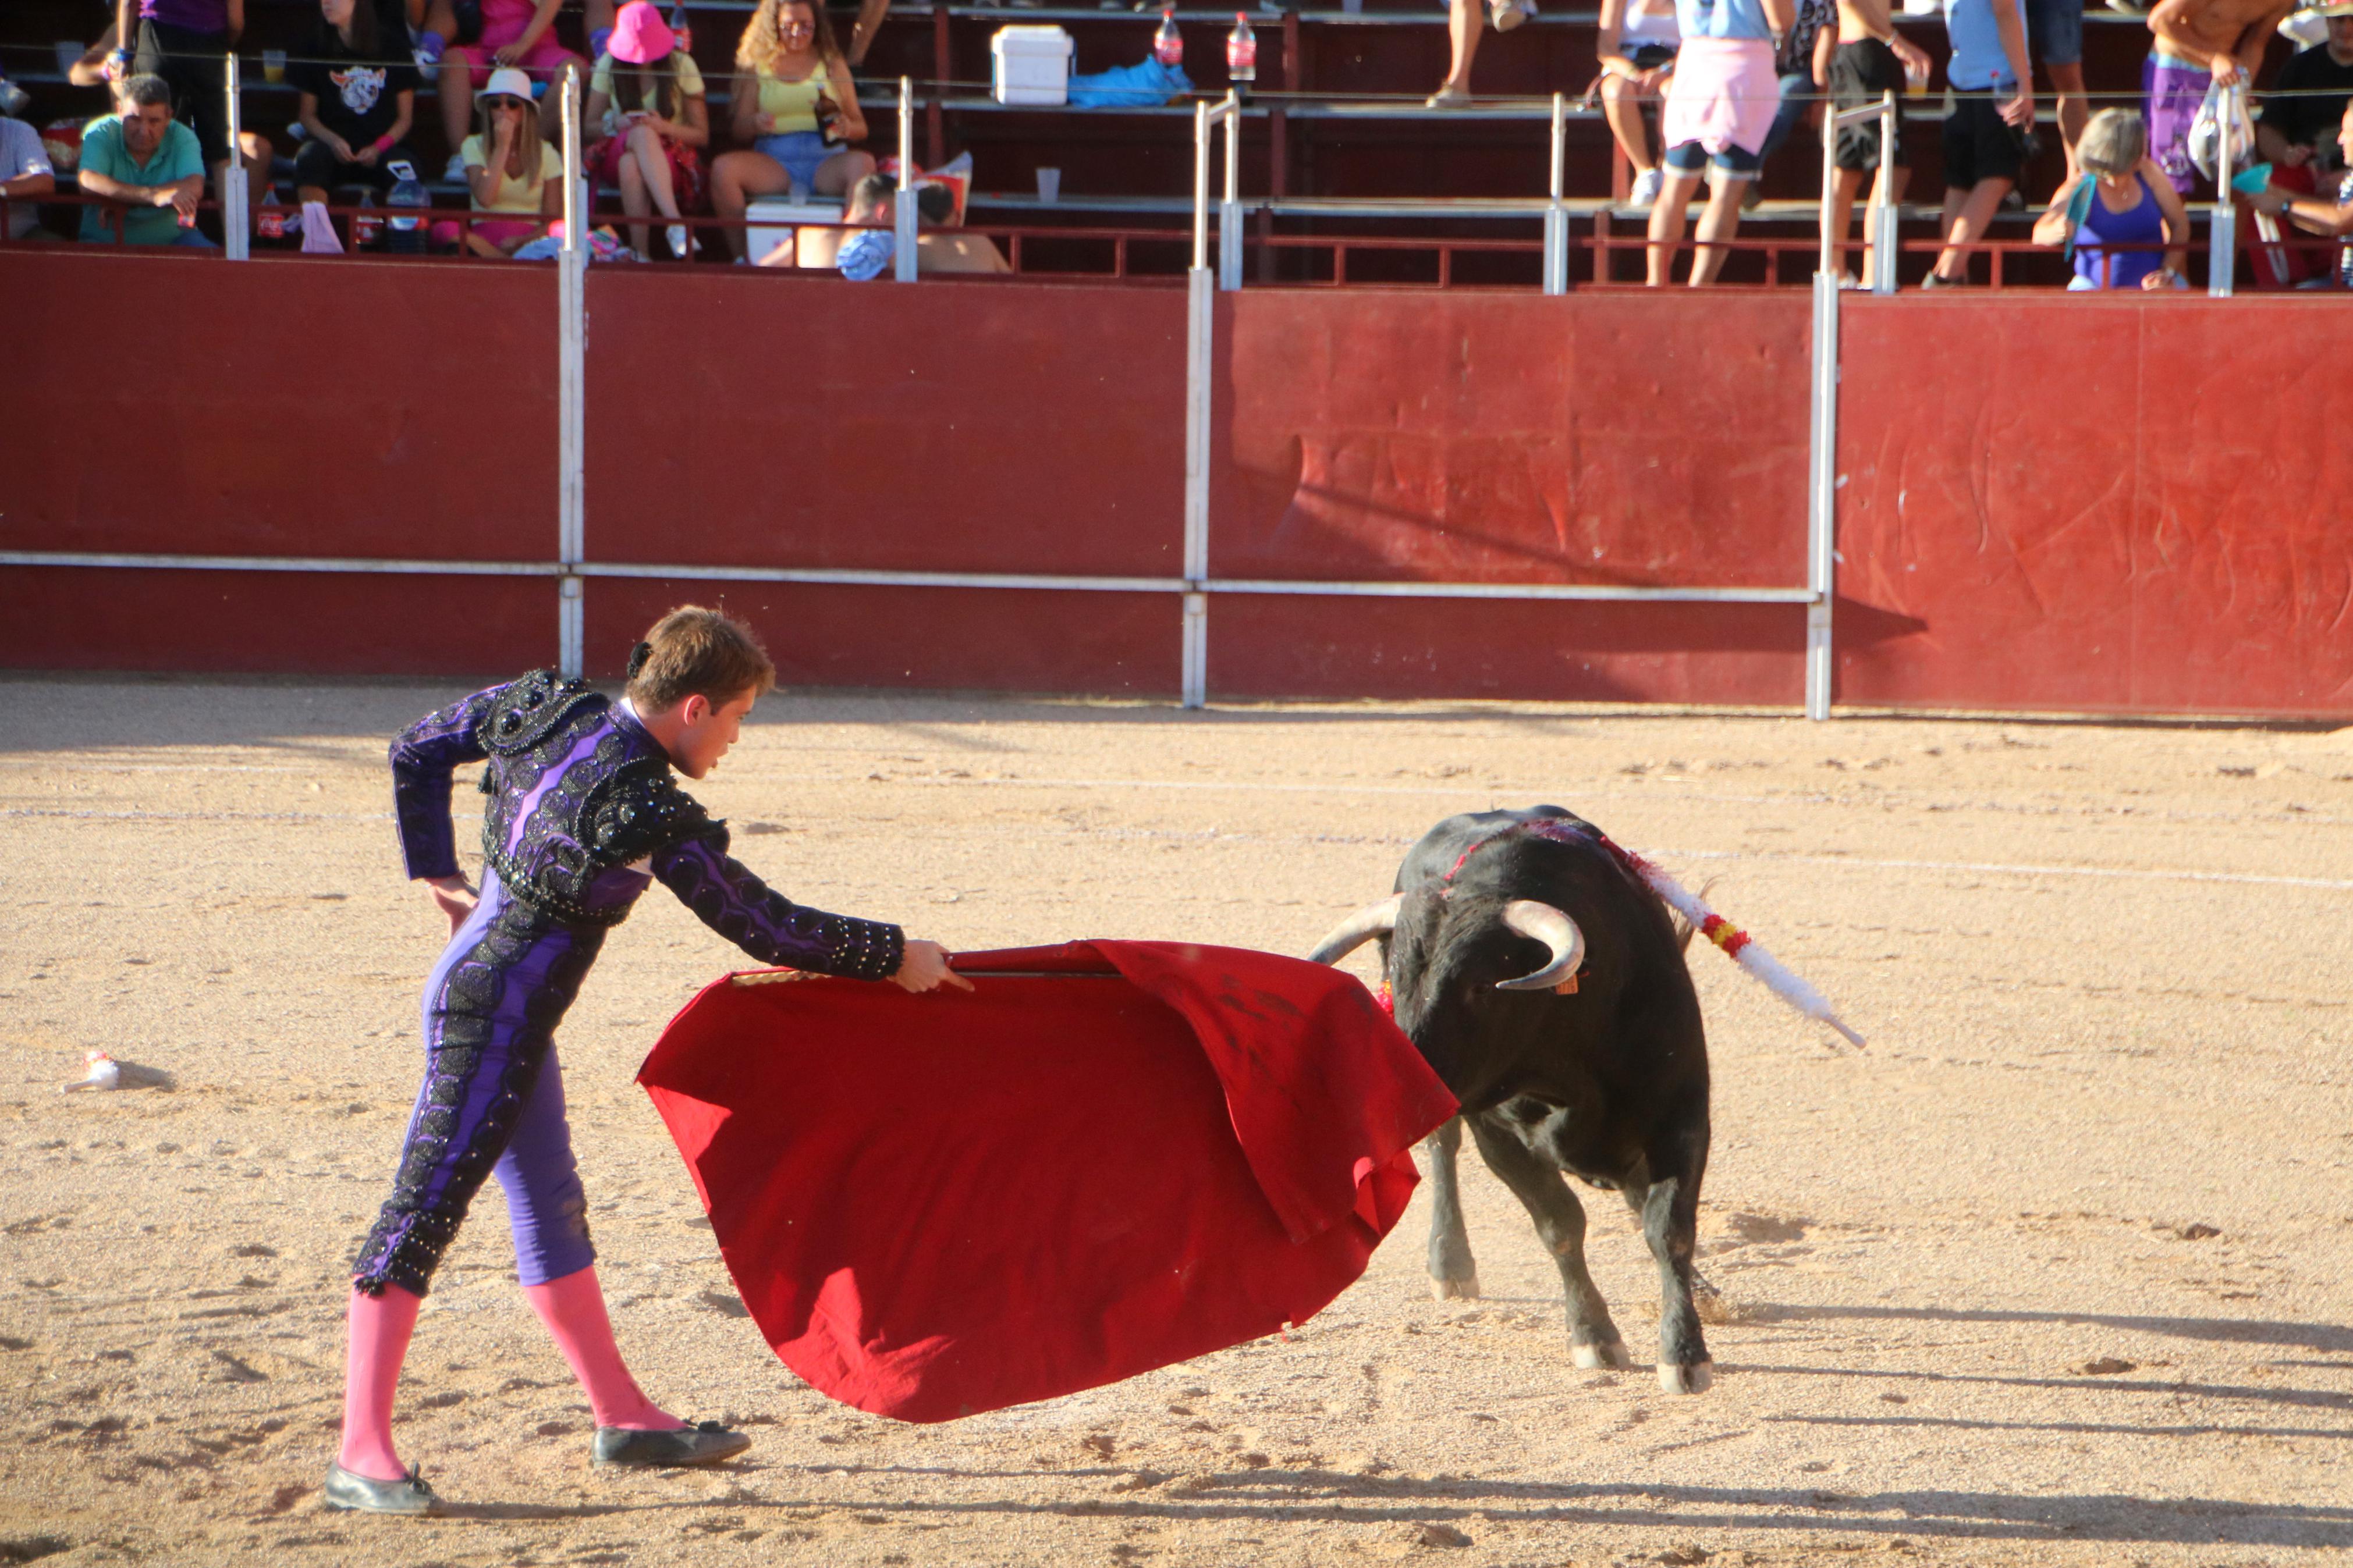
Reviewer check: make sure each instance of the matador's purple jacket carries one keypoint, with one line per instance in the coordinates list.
(583, 812)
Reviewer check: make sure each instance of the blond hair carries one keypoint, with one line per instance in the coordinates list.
(762, 43)
(695, 652)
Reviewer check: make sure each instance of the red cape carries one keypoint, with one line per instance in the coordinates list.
(1130, 1154)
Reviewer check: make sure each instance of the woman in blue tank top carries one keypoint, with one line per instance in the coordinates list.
(2117, 197)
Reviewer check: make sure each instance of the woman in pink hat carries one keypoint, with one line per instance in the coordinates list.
(647, 113)
(517, 33)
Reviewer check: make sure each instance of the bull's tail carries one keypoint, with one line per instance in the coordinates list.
(1737, 944)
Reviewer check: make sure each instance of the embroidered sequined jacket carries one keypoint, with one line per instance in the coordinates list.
(583, 809)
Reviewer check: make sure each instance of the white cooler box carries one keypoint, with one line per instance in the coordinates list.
(1030, 65)
(774, 220)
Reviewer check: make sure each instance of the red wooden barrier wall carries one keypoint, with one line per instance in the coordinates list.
(2132, 504)
(174, 404)
(812, 422)
(2109, 505)
(1602, 438)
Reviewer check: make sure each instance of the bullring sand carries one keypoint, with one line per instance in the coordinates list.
(2056, 1271)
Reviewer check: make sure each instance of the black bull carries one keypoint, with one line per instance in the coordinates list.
(1573, 1044)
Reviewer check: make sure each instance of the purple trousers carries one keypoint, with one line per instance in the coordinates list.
(491, 1103)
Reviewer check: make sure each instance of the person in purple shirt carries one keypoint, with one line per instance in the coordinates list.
(582, 815)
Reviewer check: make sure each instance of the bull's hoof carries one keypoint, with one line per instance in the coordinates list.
(1693, 1379)
(1594, 1357)
(1466, 1289)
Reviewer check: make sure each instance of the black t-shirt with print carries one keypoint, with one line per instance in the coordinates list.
(357, 97)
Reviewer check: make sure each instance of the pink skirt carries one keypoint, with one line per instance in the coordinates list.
(1725, 93)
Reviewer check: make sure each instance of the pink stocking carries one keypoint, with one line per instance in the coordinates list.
(573, 1308)
(379, 1330)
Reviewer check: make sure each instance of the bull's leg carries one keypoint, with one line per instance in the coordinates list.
(1670, 1210)
(1593, 1339)
(1452, 1272)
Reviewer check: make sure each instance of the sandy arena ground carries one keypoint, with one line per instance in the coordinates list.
(2056, 1272)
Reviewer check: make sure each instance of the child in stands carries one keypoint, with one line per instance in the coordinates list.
(647, 111)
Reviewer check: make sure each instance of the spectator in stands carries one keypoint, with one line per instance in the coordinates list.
(1636, 45)
(1872, 60)
(1462, 24)
(2054, 33)
(516, 34)
(2115, 194)
(186, 42)
(1988, 135)
(793, 101)
(1804, 64)
(2294, 128)
(868, 253)
(358, 100)
(1720, 105)
(2330, 216)
(148, 164)
(26, 176)
(2297, 135)
(646, 112)
(2198, 42)
(509, 169)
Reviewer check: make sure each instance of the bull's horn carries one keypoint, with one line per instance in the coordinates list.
(1543, 923)
(1372, 920)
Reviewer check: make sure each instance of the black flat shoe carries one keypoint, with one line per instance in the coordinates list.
(704, 1443)
(362, 1494)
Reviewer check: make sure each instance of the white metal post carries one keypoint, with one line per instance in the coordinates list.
(1230, 210)
(1555, 229)
(1821, 494)
(902, 210)
(1201, 186)
(2222, 236)
(571, 401)
(237, 233)
(1201, 316)
(1830, 178)
(1883, 253)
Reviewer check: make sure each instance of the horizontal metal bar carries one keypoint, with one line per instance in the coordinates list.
(853, 578)
(281, 563)
(1594, 591)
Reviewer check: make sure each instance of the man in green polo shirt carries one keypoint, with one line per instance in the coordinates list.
(147, 161)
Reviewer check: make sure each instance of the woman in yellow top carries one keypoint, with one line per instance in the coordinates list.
(647, 116)
(509, 169)
(791, 85)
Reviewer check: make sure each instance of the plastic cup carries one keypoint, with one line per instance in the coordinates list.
(273, 65)
(1050, 186)
(1916, 81)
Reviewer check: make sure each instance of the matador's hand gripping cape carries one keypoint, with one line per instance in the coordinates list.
(1115, 1156)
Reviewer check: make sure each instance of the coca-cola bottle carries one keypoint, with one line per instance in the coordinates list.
(1241, 55)
(829, 119)
(682, 27)
(1168, 44)
(366, 224)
